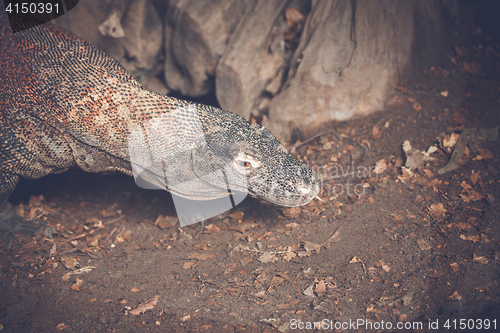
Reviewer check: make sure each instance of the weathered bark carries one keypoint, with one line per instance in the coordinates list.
(130, 31)
(196, 37)
(254, 57)
(348, 60)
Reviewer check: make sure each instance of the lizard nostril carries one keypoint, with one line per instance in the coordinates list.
(304, 190)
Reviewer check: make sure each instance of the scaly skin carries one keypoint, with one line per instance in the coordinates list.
(65, 104)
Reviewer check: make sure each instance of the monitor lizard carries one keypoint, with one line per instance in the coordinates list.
(65, 104)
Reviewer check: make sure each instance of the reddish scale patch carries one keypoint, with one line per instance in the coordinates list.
(16, 74)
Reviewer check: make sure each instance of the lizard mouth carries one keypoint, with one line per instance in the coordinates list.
(300, 195)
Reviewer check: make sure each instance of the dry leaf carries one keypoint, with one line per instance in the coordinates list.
(242, 227)
(435, 274)
(201, 256)
(486, 156)
(455, 296)
(480, 259)
(212, 229)
(320, 287)
(292, 212)
(289, 255)
(335, 237)
(286, 305)
(327, 146)
(449, 141)
(267, 257)
(380, 166)
(354, 260)
(147, 305)
(78, 285)
(429, 173)
(437, 211)
(237, 216)
(472, 68)
(490, 198)
(407, 298)
(475, 177)
(465, 186)
(189, 265)
(471, 196)
(309, 246)
(70, 262)
(309, 291)
(462, 225)
(424, 245)
(61, 326)
(474, 239)
(166, 221)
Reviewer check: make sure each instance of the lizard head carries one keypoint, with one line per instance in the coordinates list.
(202, 153)
(256, 161)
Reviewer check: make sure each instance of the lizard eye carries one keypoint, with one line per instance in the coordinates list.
(244, 164)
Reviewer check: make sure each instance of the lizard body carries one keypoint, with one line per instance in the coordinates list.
(64, 104)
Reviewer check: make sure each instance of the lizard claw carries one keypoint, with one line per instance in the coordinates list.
(46, 230)
(11, 223)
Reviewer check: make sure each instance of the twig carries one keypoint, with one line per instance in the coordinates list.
(114, 220)
(339, 137)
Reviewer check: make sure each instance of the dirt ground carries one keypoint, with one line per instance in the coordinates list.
(387, 246)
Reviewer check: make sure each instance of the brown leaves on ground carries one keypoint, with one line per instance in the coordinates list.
(464, 143)
(145, 306)
(292, 212)
(165, 222)
(36, 208)
(237, 216)
(380, 166)
(468, 194)
(212, 229)
(70, 262)
(268, 257)
(449, 141)
(78, 285)
(199, 256)
(376, 133)
(471, 68)
(455, 296)
(320, 287)
(437, 211)
(480, 259)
